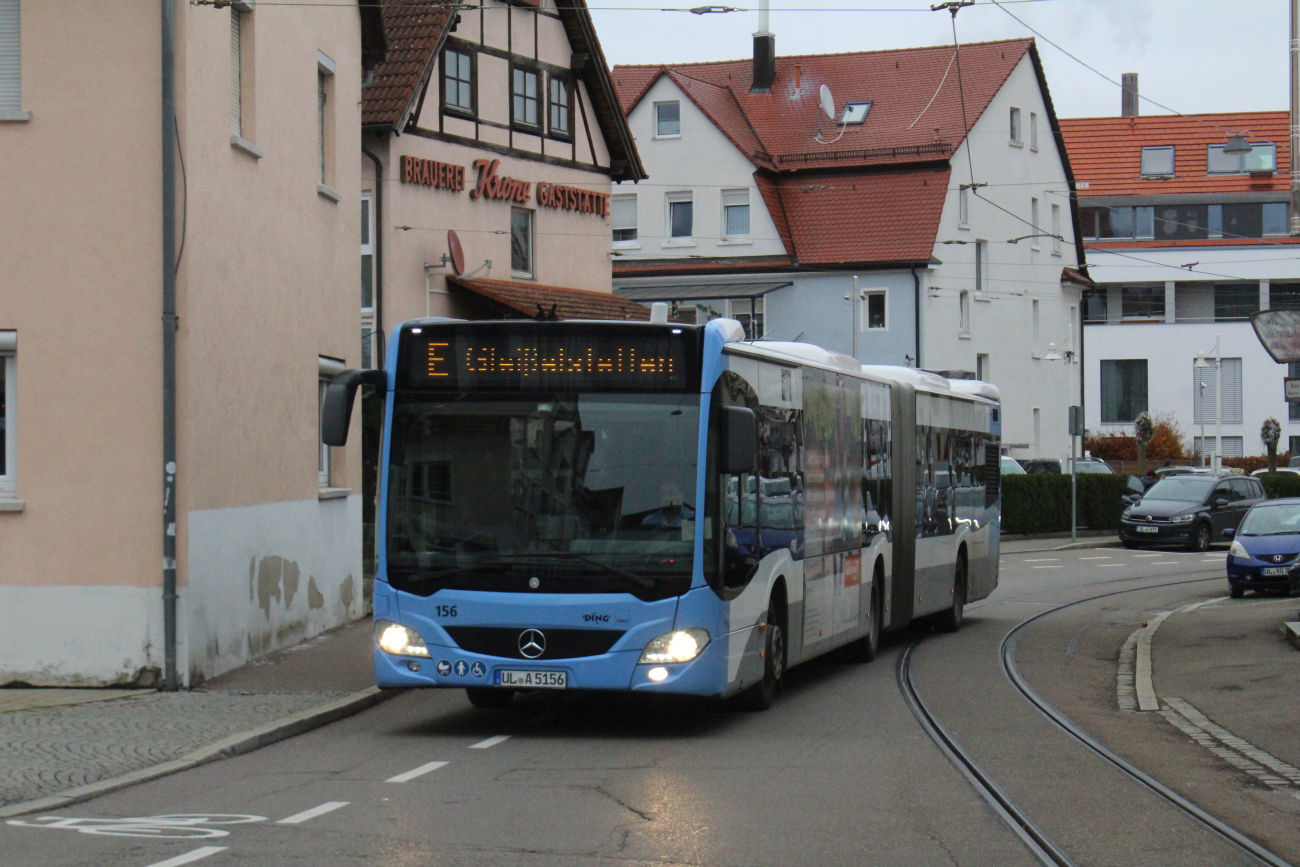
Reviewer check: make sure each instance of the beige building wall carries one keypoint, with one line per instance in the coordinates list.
(267, 554)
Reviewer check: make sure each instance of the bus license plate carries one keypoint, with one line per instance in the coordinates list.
(533, 679)
(1148, 529)
(1276, 570)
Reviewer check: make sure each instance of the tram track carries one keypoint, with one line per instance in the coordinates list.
(1014, 816)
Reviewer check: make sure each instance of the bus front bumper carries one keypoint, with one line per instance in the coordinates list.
(453, 668)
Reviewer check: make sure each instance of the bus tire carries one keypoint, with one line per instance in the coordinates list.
(761, 695)
(950, 620)
(865, 648)
(488, 697)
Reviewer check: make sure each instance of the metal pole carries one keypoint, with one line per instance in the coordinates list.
(169, 123)
(856, 324)
(1204, 450)
(1218, 408)
(1074, 493)
(1294, 227)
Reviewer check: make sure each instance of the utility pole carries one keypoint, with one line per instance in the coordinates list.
(1294, 222)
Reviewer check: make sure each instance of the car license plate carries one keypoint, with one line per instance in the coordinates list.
(1276, 570)
(533, 679)
(1147, 529)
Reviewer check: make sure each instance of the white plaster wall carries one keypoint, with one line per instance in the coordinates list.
(703, 161)
(80, 636)
(1170, 351)
(268, 576)
(1002, 319)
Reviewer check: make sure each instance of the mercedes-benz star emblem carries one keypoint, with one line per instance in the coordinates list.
(532, 643)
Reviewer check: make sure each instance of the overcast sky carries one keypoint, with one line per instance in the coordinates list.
(1191, 55)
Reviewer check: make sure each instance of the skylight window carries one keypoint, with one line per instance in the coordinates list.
(855, 113)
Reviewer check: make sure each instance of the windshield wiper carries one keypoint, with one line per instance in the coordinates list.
(631, 577)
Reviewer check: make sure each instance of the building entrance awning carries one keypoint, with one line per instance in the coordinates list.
(698, 292)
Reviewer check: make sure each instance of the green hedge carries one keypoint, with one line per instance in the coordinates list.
(1278, 485)
(1040, 502)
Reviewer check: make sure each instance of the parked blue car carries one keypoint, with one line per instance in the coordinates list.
(1265, 547)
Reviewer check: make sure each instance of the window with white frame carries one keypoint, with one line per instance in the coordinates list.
(1233, 447)
(963, 208)
(1033, 130)
(367, 279)
(236, 72)
(11, 90)
(681, 217)
(1033, 219)
(1205, 386)
(982, 368)
(1056, 230)
(327, 369)
(735, 215)
(963, 302)
(325, 124)
(521, 242)
(623, 220)
(8, 413)
(981, 265)
(1037, 345)
(668, 119)
(1016, 132)
(874, 310)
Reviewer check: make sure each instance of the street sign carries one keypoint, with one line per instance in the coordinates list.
(1076, 421)
(1292, 385)
(1279, 332)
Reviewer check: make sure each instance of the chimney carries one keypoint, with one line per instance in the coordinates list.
(764, 53)
(1129, 105)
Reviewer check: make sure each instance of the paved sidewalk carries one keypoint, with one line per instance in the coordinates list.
(53, 740)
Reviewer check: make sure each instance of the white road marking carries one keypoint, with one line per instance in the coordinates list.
(1044, 560)
(1110, 565)
(415, 772)
(1102, 557)
(189, 857)
(490, 742)
(1150, 555)
(299, 818)
(1164, 563)
(1049, 567)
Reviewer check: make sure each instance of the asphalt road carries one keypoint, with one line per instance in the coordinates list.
(837, 773)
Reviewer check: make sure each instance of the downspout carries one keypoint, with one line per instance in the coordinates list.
(170, 681)
(916, 318)
(377, 350)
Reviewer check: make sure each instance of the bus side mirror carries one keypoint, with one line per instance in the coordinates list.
(336, 415)
(739, 440)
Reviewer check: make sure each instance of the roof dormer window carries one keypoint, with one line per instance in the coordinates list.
(1158, 162)
(855, 113)
(1262, 158)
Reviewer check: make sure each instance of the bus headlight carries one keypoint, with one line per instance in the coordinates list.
(680, 646)
(398, 640)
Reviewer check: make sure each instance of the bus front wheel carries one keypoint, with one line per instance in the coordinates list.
(487, 697)
(761, 695)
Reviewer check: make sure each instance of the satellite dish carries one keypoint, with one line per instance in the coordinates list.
(457, 252)
(828, 102)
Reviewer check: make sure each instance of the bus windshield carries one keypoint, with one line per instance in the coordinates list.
(544, 493)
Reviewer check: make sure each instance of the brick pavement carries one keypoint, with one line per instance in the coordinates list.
(56, 739)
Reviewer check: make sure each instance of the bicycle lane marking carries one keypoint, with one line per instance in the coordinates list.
(305, 815)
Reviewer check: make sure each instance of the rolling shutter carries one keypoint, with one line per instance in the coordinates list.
(1204, 399)
(236, 76)
(11, 96)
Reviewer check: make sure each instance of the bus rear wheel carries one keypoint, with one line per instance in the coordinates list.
(487, 697)
(950, 620)
(761, 695)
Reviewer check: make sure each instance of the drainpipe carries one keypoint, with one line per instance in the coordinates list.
(916, 280)
(377, 349)
(170, 681)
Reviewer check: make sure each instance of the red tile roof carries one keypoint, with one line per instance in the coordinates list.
(913, 92)
(413, 29)
(532, 300)
(1106, 152)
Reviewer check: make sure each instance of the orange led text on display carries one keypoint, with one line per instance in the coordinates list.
(528, 362)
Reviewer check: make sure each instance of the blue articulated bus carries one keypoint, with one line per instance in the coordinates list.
(662, 508)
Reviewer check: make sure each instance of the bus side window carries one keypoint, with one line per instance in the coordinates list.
(780, 481)
(738, 515)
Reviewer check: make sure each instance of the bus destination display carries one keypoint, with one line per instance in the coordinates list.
(586, 360)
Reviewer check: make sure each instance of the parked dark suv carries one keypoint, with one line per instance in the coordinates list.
(1189, 509)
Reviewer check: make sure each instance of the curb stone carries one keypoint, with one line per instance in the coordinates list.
(1292, 632)
(237, 744)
